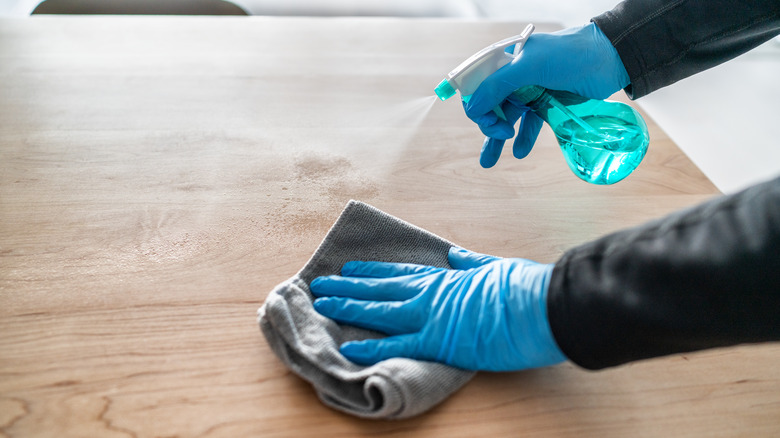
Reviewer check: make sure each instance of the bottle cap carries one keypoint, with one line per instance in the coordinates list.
(444, 90)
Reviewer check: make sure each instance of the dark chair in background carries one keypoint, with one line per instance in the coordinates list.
(139, 7)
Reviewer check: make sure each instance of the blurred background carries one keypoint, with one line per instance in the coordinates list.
(723, 119)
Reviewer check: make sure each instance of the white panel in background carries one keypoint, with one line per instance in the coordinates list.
(726, 119)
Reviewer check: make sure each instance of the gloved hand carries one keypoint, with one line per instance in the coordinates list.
(487, 313)
(580, 60)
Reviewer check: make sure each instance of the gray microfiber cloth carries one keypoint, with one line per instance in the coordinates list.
(308, 343)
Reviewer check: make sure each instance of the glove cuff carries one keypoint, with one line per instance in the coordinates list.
(619, 73)
(532, 335)
(549, 352)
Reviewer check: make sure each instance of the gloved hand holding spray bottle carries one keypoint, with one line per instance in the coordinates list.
(602, 141)
(488, 313)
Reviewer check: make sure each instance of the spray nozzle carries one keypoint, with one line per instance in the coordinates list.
(444, 90)
(467, 76)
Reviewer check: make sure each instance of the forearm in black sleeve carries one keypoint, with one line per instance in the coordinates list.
(701, 278)
(663, 41)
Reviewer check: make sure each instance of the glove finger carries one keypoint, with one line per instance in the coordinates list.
(530, 126)
(500, 85)
(372, 289)
(493, 126)
(463, 259)
(382, 269)
(488, 95)
(391, 317)
(501, 129)
(371, 351)
(491, 152)
(514, 109)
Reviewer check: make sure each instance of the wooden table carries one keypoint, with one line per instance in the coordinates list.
(161, 175)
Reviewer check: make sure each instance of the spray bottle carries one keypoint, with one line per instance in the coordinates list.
(602, 141)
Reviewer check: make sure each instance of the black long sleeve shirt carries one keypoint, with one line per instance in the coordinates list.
(663, 41)
(701, 278)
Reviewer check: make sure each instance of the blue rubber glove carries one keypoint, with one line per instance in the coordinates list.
(487, 313)
(580, 60)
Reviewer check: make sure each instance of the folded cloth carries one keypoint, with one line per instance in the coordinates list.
(308, 343)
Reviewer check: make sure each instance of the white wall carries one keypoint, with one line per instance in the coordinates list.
(17, 8)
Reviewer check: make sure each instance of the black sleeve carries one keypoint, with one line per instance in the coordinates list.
(663, 41)
(701, 278)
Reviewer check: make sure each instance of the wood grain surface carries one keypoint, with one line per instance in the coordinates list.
(160, 175)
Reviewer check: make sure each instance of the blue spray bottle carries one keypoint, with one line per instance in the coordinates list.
(602, 141)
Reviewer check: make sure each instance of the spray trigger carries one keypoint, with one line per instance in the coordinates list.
(467, 76)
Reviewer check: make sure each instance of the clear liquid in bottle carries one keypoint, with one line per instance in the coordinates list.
(602, 141)
(606, 154)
